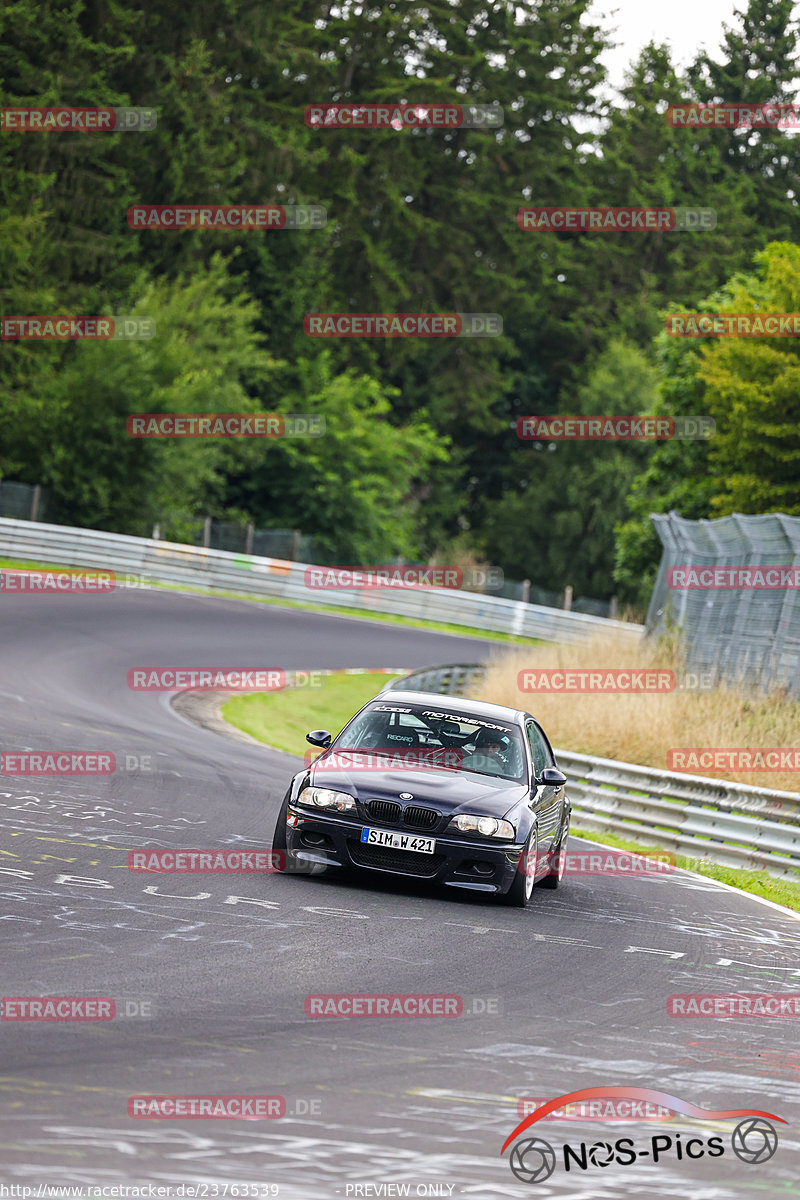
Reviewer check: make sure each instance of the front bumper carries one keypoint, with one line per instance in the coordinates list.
(335, 841)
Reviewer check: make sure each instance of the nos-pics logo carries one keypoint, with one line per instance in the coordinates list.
(754, 1139)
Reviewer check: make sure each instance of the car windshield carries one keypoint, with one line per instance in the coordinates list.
(446, 739)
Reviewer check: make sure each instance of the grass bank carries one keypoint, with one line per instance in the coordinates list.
(758, 883)
(642, 727)
(282, 719)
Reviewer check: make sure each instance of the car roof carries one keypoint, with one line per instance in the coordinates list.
(455, 704)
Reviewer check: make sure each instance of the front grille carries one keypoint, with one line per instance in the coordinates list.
(387, 811)
(386, 859)
(420, 818)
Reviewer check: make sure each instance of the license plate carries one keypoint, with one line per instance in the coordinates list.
(398, 841)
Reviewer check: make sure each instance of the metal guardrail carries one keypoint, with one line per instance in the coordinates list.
(447, 681)
(730, 824)
(249, 575)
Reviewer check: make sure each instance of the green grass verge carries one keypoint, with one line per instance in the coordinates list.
(485, 635)
(781, 891)
(282, 719)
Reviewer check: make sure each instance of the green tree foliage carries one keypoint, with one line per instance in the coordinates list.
(564, 510)
(751, 388)
(421, 220)
(759, 64)
(677, 475)
(205, 357)
(357, 489)
(753, 392)
(643, 161)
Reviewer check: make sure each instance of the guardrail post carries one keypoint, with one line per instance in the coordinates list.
(568, 598)
(526, 591)
(207, 533)
(612, 609)
(37, 492)
(248, 538)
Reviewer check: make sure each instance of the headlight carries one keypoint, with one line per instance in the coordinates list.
(324, 798)
(485, 826)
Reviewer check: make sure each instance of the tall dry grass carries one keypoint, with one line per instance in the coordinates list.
(642, 727)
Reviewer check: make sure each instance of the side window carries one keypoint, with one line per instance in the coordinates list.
(411, 720)
(408, 723)
(539, 754)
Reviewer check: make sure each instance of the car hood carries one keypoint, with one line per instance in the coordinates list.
(449, 791)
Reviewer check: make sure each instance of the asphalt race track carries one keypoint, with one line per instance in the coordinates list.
(568, 994)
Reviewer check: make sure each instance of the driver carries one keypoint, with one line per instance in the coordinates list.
(489, 753)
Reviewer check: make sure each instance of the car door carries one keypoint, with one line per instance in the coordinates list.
(548, 800)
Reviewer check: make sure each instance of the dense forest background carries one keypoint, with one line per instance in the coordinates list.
(421, 458)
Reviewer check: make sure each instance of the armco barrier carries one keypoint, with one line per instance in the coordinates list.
(249, 575)
(731, 824)
(447, 681)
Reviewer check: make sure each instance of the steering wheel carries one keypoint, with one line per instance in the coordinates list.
(497, 756)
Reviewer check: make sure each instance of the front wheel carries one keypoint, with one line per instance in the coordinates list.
(279, 852)
(554, 876)
(283, 861)
(521, 890)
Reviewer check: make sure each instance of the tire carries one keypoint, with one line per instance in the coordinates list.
(553, 878)
(521, 890)
(279, 865)
(288, 864)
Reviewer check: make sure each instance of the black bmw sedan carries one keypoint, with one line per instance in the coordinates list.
(459, 792)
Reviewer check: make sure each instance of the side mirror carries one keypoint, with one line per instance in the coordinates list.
(319, 737)
(552, 777)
